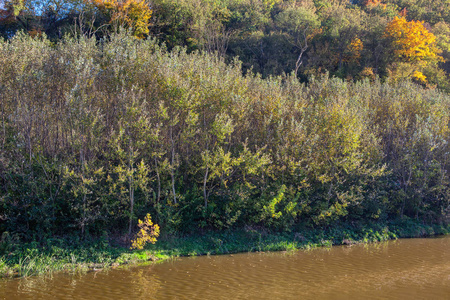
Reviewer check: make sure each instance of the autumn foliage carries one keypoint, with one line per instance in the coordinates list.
(354, 50)
(148, 232)
(411, 40)
(134, 14)
(270, 37)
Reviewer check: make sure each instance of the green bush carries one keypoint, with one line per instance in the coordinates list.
(95, 135)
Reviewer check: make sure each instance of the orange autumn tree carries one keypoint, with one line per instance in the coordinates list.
(413, 44)
(133, 14)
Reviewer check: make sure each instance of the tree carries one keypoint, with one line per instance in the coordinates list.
(412, 41)
(353, 53)
(148, 232)
(52, 17)
(132, 14)
(11, 17)
(13, 7)
(338, 49)
(300, 24)
(414, 47)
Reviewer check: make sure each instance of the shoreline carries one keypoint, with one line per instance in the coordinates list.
(61, 255)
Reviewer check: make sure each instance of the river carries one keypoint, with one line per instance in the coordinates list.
(402, 269)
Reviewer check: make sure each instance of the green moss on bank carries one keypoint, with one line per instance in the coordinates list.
(55, 255)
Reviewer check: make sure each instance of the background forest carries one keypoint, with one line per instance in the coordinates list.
(222, 114)
(353, 40)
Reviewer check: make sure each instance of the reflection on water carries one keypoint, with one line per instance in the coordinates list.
(404, 269)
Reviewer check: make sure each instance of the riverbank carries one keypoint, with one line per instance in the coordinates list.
(72, 256)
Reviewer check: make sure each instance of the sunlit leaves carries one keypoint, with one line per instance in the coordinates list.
(148, 233)
(411, 40)
(419, 77)
(126, 125)
(414, 46)
(134, 14)
(14, 6)
(354, 50)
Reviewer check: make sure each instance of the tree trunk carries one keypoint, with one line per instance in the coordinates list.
(172, 175)
(131, 186)
(158, 197)
(131, 205)
(204, 187)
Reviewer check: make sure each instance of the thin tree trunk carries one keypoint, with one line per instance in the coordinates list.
(131, 205)
(303, 49)
(131, 186)
(204, 187)
(299, 61)
(159, 181)
(84, 215)
(3, 126)
(84, 192)
(172, 175)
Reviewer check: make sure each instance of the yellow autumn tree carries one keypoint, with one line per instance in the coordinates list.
(133, 14)
(413, 46)
(412, 41)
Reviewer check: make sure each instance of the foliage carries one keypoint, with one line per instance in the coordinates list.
(347, 39)
(148, 232)
(14, 7)
(96, 135)
(411, 40)
(134, 14)
(415, 48)
(301, 25)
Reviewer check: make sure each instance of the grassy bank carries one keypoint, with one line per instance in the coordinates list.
(55, 255)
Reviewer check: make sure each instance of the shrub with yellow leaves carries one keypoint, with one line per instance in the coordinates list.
(148, 232)
(419, 77)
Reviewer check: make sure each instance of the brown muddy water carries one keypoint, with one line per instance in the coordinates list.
(402, 269)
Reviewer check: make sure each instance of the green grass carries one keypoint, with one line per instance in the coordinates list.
(63, 255)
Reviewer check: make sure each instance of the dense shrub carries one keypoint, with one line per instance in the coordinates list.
(97, 134)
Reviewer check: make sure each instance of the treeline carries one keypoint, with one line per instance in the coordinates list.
(95, 135)
(350, 39)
